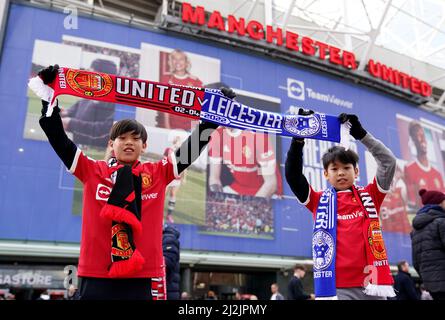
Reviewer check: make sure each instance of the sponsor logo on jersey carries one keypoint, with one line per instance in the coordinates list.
(102, 192)
(90, 84)
(149, 196)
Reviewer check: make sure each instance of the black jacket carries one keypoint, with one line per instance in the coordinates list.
(171, 248)
(295, 290)
(428, 246)
(405, 286)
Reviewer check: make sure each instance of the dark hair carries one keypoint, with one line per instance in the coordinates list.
(400, 264)
(128, 125)
(414, 126)
(299, 267)
(339, 153)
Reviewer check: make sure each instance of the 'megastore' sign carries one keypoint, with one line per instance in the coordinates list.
(306, 45)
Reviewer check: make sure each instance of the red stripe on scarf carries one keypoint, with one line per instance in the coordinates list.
(103, 87)
(377, 260)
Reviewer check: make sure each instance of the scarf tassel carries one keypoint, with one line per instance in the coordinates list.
(326, 298)
(119, 214)
(379, 290)
(125, 268)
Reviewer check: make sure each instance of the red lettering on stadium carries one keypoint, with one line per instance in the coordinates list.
(306, 45)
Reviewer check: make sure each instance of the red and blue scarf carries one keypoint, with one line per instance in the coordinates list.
(378, 280)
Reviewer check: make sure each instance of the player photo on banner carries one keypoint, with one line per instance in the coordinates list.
(185, 196)
(243, 176)
(174, 66)
(86, 122)
(422, 147)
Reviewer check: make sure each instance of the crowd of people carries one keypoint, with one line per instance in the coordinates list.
(239, 214)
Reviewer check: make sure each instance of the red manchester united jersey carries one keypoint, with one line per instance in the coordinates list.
(95, 248)
(351, 256)
(248, 155)
(419, 177)
(177, 122)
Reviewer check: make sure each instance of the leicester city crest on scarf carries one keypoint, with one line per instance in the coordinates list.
(322, 249)
(305, 126)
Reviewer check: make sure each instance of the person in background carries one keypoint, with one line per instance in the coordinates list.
(428, 242)
(295, 288)
(211, 295)
(171, 249)
(276, 295)
(185, 296)
(404, 284)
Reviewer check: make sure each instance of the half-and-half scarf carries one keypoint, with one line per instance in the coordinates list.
(191, 102)
(378, 281)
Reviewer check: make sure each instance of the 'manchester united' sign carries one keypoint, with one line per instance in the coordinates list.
(306, 45)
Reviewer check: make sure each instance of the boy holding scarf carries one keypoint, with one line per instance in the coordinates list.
(123, 202)
(349, 255)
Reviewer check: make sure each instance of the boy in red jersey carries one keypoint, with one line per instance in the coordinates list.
(359, 247)
(123, 198)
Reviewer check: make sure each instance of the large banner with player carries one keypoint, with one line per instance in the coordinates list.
(234, 198)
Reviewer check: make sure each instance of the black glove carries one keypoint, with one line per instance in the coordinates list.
(49, 74)
(228, 92)
(356, 130)
(302, 112)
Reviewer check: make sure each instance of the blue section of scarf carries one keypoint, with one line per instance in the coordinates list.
(219, 109)
(324, 238)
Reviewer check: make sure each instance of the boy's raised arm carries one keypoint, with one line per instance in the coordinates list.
(294, 170)
(196, 142)
(293, 167)
(193, 146)
(52, 124)
(53, 128)
(386, 161)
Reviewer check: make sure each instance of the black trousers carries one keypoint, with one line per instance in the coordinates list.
(114, 289)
